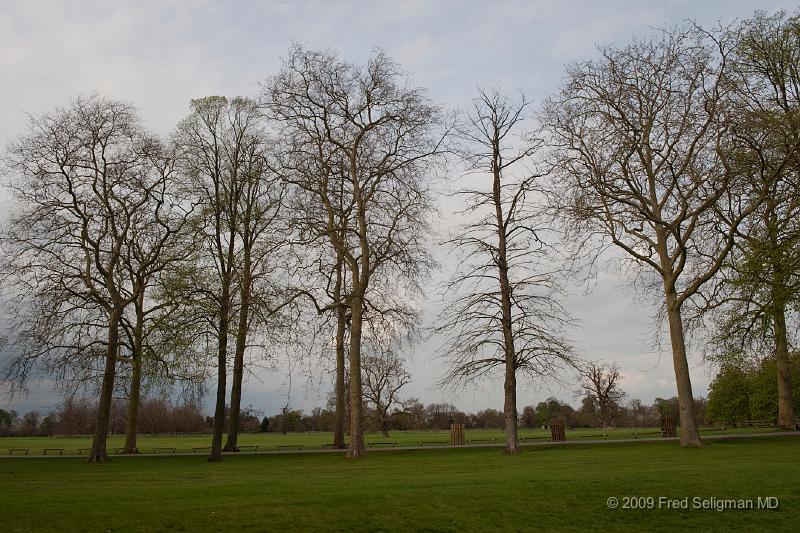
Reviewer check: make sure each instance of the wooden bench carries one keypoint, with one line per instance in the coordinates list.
(12, 450)
(290, 446)
(195, 449)
(424, 442)
(604, 435)
(331, 445)
(82, 450)
(492, 440)
(760, 423)
(382, 443)
(535, 437)
(157, 448)
(637, 433)
(59, 450)
(253, 447)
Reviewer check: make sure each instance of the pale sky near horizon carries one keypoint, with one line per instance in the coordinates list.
(160, 54)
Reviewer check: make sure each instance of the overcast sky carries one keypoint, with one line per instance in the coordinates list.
(159, 55)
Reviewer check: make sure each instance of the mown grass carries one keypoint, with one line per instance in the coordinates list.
(315, 440)
(556, 488)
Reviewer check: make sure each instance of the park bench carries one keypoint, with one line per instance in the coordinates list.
(382, 443)
(81, 451)
(290, 446)
(12, 450)
(535, 437)
(424, 442)
(195, 449)
(157, 448)
(595, 435)
(59, 450)
(253, 447)
(762, 424)
(492, 440)
(331, 445)
(637, 433)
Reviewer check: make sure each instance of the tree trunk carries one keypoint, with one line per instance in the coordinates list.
(357, 448)
(133, 407)
(689, 433)
(99, 453)
(341, 326)
(510, 382)
(131, 429)
(222, 358)
(339, 416)
(510, 410)
(786, 416)
(232, 444)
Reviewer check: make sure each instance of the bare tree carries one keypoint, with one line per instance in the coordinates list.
(504, 310)
(159, 240)
(600, 383)
(226, 155)
(641, 135)
(360, 140)
(213, 156)
(80, 177)
(383, 376)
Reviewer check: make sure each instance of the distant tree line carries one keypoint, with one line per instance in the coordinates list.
(78, 416)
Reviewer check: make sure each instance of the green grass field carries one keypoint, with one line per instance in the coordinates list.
(315, 440)
(543, 488)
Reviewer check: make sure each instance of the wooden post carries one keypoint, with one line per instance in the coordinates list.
(456, 434)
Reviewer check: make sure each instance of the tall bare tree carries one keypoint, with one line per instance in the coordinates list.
(504, 311)
(641, 135)
(600, 383)
(81, 177)
(384, 375)
(214, 143)
(226, 155)
(159, 240)
(367, 142)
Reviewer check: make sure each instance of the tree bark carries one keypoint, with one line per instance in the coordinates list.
(222, 358)
(131, 429)
(786, 415)
(689, 432)
(238, 359)
(99, 452)
(357, 448)
(510, 382)
(339, 416)
(341, 326)
(510, 409)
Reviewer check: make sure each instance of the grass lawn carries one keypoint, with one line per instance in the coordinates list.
(543, 488)
(315, 440)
